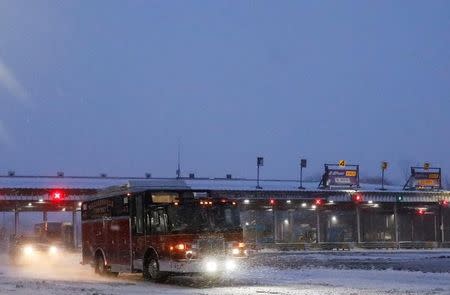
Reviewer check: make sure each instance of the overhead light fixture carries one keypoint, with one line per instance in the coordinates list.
(333, 219)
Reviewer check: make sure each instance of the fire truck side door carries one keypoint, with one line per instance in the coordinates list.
(138, 231)
(156, 227)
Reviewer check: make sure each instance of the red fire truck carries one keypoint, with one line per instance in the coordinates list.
(161, 229)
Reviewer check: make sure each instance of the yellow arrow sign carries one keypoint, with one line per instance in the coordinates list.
(342, 163)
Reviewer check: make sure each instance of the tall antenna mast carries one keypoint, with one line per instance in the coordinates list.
(179, 160)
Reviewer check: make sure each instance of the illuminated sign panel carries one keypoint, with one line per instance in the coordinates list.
(424, 178)
(339, 176)
(427, 179)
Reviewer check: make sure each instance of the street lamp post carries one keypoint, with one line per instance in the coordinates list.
(384, 166)
(302, 165)
(259, 163)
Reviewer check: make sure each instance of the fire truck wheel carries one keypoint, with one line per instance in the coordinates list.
(100, 265)
(101, 269)
(151, 270)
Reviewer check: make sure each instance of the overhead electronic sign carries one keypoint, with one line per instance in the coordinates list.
(423, 178)
(337, 175)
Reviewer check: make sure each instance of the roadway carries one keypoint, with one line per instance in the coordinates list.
(267, 273)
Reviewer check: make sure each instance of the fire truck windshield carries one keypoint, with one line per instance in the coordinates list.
(189, 218)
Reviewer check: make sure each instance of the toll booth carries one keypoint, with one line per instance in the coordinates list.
(42, 195)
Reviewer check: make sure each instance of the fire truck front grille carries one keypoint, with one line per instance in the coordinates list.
(211, 246)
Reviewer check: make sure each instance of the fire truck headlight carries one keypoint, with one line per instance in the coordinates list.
(211, 266)
(28, 250)
(230, 265)
(53, 250)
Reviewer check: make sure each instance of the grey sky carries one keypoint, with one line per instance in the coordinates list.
(111, 86)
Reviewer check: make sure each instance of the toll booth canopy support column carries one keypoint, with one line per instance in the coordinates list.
(74, 229)
(291, 225)
(275, 225)
(442, 226)
(45, 219)
(435, 229)
(16, 222)
(396, 225)
(358, 223)
(317, 226)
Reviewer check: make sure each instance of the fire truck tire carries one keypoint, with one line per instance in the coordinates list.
(151, 270)
(101, 269)
(100, 265)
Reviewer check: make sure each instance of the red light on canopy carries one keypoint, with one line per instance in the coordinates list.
(318, 202)
(57, 196)
(421, 212)
(357, 198)
(272, 202)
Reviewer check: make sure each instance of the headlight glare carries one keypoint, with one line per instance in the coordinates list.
(211, 266)
(53, 250)
(230, 265)
(28, 250)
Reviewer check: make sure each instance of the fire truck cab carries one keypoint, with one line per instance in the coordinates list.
(161, 228)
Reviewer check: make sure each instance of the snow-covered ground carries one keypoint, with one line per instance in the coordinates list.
(267, 273)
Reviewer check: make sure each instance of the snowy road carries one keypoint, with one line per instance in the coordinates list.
(267, 275)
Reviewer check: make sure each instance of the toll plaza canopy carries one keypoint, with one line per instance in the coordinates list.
(278, 212)
(51, 193)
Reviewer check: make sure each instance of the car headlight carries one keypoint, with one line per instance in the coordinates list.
(28, 250)
(53, 250)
